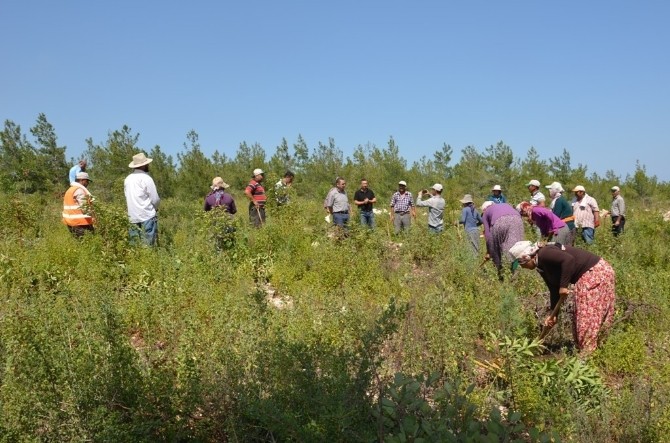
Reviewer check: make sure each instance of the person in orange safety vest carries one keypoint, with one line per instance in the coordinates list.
(77, 206)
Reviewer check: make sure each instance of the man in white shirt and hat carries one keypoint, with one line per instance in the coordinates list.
(142, 200)
(537, 198)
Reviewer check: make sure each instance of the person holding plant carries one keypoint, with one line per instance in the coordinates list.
(503, 227)
(594, 286)
(77, 206)
(551, 227)
(282, 188)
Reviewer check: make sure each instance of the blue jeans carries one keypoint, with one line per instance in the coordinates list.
(340, 219)
(148, 230)
(588, 234)
(368, 219)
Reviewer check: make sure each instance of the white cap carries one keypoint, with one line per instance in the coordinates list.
(496, 188)
(437, 187)
(402, 183)
(579, 188)
(82, 176)
(555, 186)
(614, 188)
(533, 183)
(486, 204)
(258, 171)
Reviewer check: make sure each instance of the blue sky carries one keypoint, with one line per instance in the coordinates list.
(592, 77)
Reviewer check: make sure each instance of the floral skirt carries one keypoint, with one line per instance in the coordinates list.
(594, 305)
(506, 231)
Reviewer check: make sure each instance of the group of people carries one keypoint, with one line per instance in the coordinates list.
(565, 269)
(142, 201)
(255, 193)
(402, 208)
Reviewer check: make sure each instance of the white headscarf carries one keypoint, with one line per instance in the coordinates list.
(486, 204)
(522, 249)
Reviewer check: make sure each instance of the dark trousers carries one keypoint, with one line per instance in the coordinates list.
(616, 230)
(256, 215)
(79, 231)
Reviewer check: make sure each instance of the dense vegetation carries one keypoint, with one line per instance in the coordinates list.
(291, 335)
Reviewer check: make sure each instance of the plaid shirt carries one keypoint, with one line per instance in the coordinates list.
(401, 202)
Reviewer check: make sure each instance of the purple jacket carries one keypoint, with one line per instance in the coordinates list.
(546, 220)
(493, 213)
(220, 198)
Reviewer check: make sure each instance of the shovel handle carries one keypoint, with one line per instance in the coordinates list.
(545, 332)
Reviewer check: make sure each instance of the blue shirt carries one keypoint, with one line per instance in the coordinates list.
(470, 218)
(497, 199)
(76, 169)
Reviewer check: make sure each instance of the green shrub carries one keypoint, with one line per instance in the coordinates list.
(623, 353)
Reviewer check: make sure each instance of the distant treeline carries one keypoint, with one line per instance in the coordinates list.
(40, 166)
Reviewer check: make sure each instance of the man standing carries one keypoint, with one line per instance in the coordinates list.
(364, 198)
(401, 208)
(142, 200)
(536, 197)
(77, 206)
(282, 188)
(586, 212)
(435, 205)
(257, 198)
(76, 169)
(618, 211)
(337, 203)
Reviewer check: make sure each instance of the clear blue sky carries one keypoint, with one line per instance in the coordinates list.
(592, 77)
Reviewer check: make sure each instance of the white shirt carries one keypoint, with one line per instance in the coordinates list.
(141, 196)
(585, 211)
(536, 198)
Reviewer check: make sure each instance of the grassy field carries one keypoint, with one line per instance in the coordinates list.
(288, 334)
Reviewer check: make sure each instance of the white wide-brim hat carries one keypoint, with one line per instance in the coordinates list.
(140, 160)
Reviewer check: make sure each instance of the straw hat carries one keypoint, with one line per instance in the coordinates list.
(218, 183)
(140, 160)
(467, 198)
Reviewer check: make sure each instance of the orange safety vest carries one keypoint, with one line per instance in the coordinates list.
(72, 213)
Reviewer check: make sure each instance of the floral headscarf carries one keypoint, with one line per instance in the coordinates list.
(525, 209)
